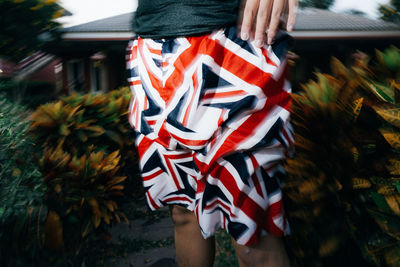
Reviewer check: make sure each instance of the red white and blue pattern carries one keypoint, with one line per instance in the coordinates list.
(211, 115)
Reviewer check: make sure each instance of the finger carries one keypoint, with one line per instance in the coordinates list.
(284, 15)
(275, 19)
(293, 4)
(249, 13)
(240, 16)
(263, 16)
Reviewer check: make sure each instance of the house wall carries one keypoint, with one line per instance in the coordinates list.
(64, 77)
(99, 74)
(313, 55)
(116, 70)
(47, 73)
(87, 74)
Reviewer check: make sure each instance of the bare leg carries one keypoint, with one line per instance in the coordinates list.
(269, 252)
(192, 250)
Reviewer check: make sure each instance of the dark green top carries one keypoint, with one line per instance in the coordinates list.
(159, 19)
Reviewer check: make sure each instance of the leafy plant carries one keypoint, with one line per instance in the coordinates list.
(343, 191)
(81, 194)
(81, 121)
(87, 120)
(62, 194)
(21, 191)
(88, 163)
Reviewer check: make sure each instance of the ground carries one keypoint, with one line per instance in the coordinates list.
(155, 236)
(148, 240)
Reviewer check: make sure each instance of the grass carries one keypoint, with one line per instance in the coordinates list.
(225, 253)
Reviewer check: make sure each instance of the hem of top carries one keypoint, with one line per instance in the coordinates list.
(184, 34)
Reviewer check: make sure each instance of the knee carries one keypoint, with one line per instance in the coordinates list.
(249, 257)
(181, 216)
(270, 251)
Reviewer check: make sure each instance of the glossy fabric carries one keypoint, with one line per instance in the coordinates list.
(211, 115)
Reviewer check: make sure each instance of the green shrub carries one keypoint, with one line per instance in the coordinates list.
(343, 190)
(21, 190)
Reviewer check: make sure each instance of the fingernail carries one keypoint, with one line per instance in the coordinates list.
(259, 43)
(290, 27)
(269, 40)
(244, 36)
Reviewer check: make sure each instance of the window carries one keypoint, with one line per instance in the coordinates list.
(98, 73)
(76, 75)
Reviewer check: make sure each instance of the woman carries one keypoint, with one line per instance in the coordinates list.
(211, 110)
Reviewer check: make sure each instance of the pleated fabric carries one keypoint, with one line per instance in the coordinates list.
(211, 116)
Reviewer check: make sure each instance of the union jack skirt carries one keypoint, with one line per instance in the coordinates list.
(211, 116)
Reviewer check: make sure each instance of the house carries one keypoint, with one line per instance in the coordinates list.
(320, 34)
(32, 81)
(37, 67)
(93, 54)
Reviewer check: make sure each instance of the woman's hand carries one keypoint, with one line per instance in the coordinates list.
(262, 15)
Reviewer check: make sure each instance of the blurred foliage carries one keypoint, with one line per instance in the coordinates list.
(25, 25)
(88, 153)
(343, 190)
(323, 4)
(355, 12)
(390, 12)
(29, 94)
(21, 190)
